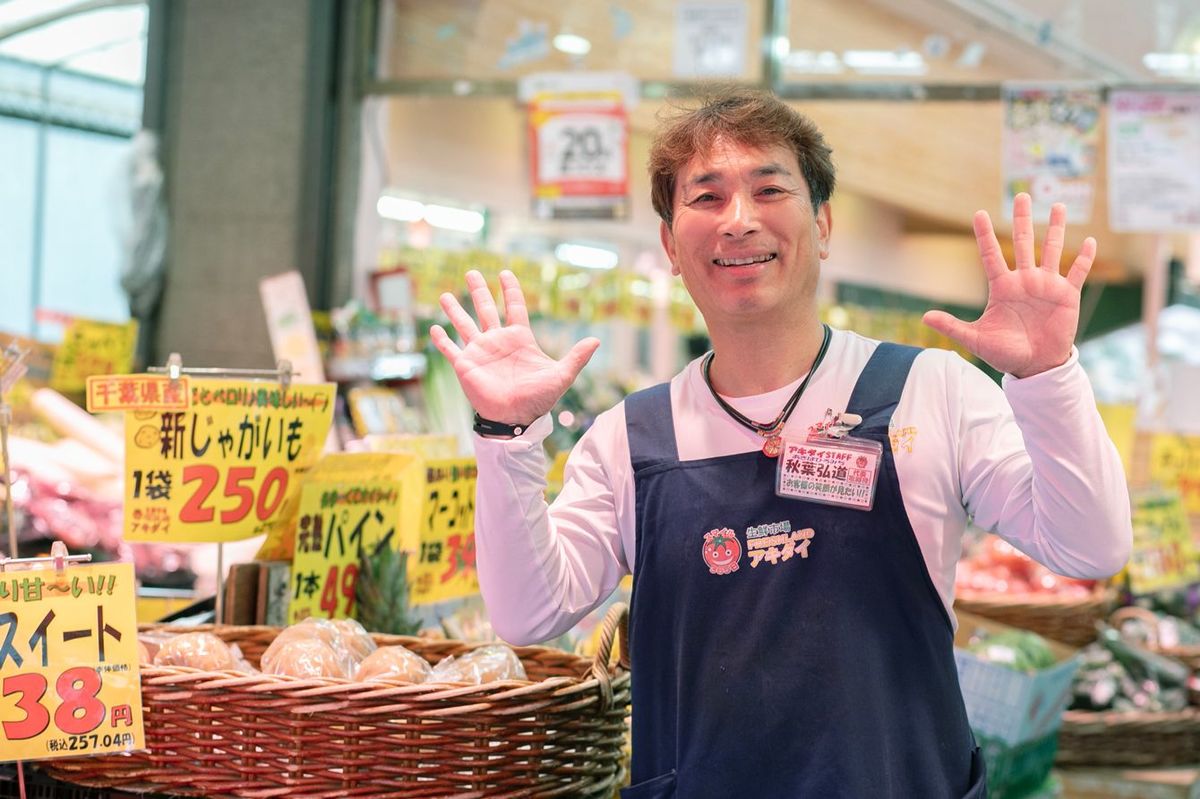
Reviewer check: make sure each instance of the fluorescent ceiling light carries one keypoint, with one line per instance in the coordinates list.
(459, 219)
(399, 209)
(586, 256)
(572, 44)
(1172, 63)
(890, 62)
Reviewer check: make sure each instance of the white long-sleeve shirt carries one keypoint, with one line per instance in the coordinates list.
(1031, 462)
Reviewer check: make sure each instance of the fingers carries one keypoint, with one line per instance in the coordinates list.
(952, 328)
(445, 344)
(515, 310)
(578, 356)
(1022, 232)
(481, 296)
(989, 246)
(1055, 235)
(464, 325)
(1083, 263)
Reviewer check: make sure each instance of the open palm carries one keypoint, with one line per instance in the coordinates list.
(503, 372)
(1032, 312)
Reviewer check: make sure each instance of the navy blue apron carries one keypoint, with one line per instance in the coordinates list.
(826, 673)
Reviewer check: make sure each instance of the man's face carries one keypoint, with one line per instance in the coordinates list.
(744, 238)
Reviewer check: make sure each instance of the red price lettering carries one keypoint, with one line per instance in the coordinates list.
(80, 711)
(31, 687)
(270, 495)
(329, 594)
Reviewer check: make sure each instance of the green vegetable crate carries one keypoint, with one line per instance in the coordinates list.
(1015, 714)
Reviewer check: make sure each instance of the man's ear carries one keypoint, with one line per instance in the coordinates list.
(824, 220)
(668, 243)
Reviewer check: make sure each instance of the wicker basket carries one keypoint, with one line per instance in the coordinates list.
(225, 734)
(1129, 738)
(1068, 621)
(1190, 655)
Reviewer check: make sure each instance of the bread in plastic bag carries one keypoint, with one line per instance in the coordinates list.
(143, 654)
(198, 651)
(305, 657)
(310, 629)
(393, 663)
(358, 641)
(483, 665)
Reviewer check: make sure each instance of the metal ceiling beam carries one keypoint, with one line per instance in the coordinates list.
(81, 7)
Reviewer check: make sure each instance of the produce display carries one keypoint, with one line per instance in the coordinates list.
(483, 665)
(1019, 650)
(997, 567)
(1119, 675)
(393, 663)
(200, 651)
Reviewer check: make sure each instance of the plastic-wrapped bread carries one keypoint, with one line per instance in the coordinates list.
(198, 651)
(305, 657)
(357, 640)
(310, 629)
(483, 665)
(393, 663)
(143, 654)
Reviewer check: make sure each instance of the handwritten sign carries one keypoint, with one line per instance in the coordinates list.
(223, 469)
(350, 504)
(1163, 553)
(1175, 463)
(92, 348)
(140, 393)
(69, 680)
(445, 564)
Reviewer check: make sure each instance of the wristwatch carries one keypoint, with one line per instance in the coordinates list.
(490, 429)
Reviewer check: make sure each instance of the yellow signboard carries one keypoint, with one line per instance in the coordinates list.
(69, 681)
(1175, 463)
(92, 348)
(144, 393)
(445, 547)
(1119, 421)
(1163, 553)
(350, 504)
(223, 469)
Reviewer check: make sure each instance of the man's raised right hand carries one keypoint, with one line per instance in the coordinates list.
(503, 372)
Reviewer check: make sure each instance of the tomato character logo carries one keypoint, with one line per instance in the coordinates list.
(861, 462)
(722, 551)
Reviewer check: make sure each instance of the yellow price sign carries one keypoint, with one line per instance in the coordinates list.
(1175, 463)
(349, 504)
(69, 680)
(1163, 553)
(92, 348)
(225, 468)
(445, 564)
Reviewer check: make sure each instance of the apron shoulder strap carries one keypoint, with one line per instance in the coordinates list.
(880, 384)
(650, 426)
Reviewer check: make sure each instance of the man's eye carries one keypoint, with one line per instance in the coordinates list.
(772, 190)
(702, 198)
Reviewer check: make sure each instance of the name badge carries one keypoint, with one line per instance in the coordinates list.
(832, 471)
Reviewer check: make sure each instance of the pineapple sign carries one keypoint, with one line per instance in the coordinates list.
(353, 506)
(350, 504)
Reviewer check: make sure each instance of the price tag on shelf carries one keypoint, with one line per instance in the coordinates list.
(445, 564)
(69, 680)
(224, 468)
(1163, 553)
(349, 504)
(92, 348)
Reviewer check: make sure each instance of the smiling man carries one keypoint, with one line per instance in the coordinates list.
(792, 504)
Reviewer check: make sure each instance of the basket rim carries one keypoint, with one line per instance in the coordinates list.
(1099, 595)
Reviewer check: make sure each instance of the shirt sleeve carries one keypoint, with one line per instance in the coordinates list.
(1038, 467)
(543, 568)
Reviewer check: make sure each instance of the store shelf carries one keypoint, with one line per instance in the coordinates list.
(380, 368)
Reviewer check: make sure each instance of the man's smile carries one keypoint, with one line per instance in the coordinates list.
(754, 259)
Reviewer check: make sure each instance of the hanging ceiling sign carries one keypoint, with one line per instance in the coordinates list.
(579, 149)
(1154, 161)
(1051, 135)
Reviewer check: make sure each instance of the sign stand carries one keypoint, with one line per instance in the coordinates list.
(12, 368)
(58, 556)
(174, 369)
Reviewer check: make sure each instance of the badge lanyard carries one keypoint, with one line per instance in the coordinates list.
(771, 431)
(830, 466)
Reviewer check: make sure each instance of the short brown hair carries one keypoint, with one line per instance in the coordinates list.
(745, 116)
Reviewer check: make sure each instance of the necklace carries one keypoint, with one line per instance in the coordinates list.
(771, 431)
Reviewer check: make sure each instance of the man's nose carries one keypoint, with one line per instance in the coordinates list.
(741, 217)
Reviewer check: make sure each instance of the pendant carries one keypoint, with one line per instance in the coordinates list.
(773, 446)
